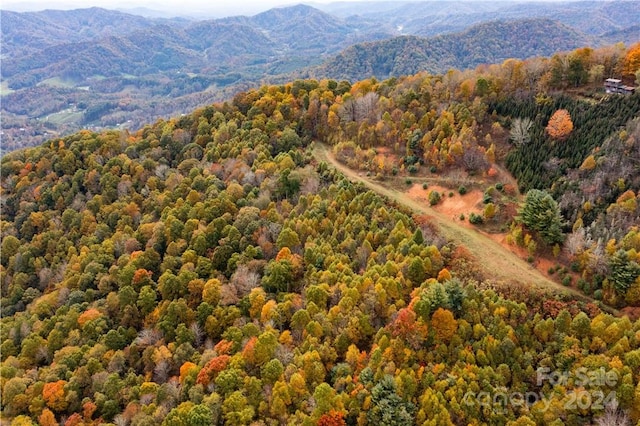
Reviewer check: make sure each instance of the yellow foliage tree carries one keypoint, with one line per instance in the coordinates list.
(22, 420)
(211, 291)
(491, 154)
(589, 163)
(489, 211)
(632, 296)
(444, 324)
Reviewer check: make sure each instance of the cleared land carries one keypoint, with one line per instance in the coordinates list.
(495, 260)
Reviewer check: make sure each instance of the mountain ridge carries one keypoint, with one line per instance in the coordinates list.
(410, 54)
(27, 32)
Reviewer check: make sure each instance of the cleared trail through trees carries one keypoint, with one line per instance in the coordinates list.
(496, 262)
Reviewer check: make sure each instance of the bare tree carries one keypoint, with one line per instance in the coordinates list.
(161, 171)
(171, 392)
(198, 333)
(577, 242)
(520, 131)
(244, 280)
(228, 294)
(347, 111)
(120, 420)
(367, 108)
(598, 260)
(553, 164)
(612, 416)
(364, 108)
(534, 68)
(148, 337)
(161, 371)
(474, 160)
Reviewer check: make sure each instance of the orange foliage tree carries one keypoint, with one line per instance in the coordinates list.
(632, 60)
(88, 315)
(185, 369)
(560, 124)
(47, 418)
(444, 275)
(54, 396)
(88, 408)
(332, 418)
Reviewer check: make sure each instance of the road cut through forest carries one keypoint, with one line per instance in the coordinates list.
(492, 258)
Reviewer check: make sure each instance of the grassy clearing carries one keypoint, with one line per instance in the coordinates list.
(57, 82)
(4, 88)
(66, 116)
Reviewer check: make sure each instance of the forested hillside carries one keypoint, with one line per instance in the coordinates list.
(485, 43)
(26, 33)
(125, 76)
(208, 270)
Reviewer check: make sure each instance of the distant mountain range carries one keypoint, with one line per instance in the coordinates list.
(427, 18)
(65, 69)
(82, 44)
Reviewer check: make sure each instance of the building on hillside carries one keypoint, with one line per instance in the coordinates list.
(613, 85)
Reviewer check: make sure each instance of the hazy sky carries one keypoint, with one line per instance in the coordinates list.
(179, 7)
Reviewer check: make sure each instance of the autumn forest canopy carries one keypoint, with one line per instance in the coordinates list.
(210, 269)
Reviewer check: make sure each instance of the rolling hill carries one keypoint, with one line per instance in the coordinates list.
(238, 43)
(30, 32)
(491, 42)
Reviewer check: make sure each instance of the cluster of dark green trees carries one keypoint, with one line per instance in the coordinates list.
(540, 162)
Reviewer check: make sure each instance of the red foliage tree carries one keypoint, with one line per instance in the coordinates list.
(406, 326)
(212, 368)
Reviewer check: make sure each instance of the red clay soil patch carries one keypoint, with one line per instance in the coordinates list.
(450, 206)
(632, 312)
(541, 263)
(471, 202)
